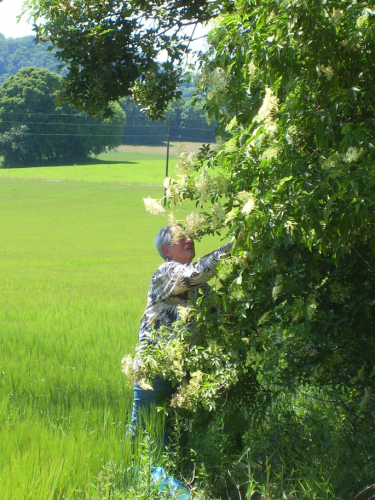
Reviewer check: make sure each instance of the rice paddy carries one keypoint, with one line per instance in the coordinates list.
(76, 257)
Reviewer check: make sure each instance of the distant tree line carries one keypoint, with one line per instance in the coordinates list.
(34, 128)
(187, 120)
(17, 53)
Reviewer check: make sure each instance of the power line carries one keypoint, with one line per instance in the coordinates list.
(122, 136)
(99, 125)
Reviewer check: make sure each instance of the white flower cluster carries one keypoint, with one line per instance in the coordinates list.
(352, 155)
(153, 206)
(127, 366)
(242, 260)
(337, 16)
(178, 233)
(194, 223)
(248, 200)
(188, 393)
(218, 215)
(185, 163)
(271, 152)
(217, 82)
(267, 111)
(184, 313)
(203, 187)
(172, 193)
(325, 70)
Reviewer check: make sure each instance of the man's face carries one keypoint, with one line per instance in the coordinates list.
(182, 251)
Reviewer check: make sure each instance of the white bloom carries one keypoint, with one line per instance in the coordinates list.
(326, 70)
(183, 312)
(178, 233)
(127, 366)
(185, 163)
(352, 155)
(244, 196)
(337, 16)
(173, 194)
(218, 215)
(167, 182)
(145, 385)
(233, 123)
(248, 207)
(194, 222)
(153, 206)
(270, 153)
(269, 106)
(203, 188)
(172, 219)
(230, 216)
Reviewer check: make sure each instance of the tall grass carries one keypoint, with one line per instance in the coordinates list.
(75, 262)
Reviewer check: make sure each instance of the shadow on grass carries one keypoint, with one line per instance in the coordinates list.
(63, 163)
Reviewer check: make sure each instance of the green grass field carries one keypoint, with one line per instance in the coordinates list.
(76, 259)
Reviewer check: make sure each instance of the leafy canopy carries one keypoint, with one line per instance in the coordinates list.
(110, 48)
(291, 82)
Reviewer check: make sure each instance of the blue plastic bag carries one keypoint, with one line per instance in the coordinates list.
(173, 487)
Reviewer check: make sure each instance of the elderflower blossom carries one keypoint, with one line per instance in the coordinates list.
(244, 196)
(172, 193)
(242, 260)
(153, 206)
(270, 153)
(167, 182)
(352, 155)
(326, 70)
(185, 163)
(269, 106)
(218, 82)
(187, 393)
(184, 312)
(177, 232)
(337, 16)
(278, 287)
(248, 207)
(230, 216)
(145, 385)
(218, 215)
(194, 222)
(127, 366)
(232, 124)
(203, 188)
(172, 219)
(248, 200)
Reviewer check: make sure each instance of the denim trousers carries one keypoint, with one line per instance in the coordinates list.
(144, 400)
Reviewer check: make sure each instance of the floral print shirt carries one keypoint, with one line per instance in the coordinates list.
(175, 284)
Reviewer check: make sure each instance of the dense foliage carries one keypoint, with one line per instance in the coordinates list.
(111, 48)
(17, 53)
(33, 128)
(293, 83)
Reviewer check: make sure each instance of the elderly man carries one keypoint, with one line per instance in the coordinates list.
(175, 283)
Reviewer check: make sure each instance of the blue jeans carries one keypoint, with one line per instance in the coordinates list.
(143, 400)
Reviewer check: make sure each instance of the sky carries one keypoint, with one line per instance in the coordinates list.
(9, 10)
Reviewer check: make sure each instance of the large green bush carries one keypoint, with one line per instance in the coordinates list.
(293, 84)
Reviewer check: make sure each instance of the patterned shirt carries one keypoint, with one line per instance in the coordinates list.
(175, 284)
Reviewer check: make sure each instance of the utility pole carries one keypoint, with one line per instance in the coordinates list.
(166, 167)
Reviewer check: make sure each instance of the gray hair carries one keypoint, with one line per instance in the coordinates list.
(163, 239)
